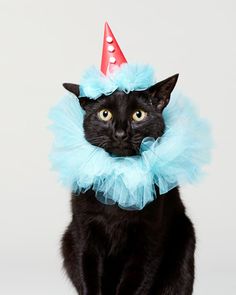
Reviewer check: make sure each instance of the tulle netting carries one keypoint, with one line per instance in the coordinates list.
(177, 158)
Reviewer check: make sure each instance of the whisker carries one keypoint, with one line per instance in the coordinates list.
(71, 147)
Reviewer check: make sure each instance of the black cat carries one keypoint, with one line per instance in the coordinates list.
(108, 250)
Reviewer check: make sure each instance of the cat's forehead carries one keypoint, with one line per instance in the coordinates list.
(121, 99)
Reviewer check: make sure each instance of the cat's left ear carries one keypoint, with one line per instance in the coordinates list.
(161, 91)
(74, 88)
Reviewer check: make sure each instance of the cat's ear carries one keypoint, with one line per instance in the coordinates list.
(74, 88)
(161, 91)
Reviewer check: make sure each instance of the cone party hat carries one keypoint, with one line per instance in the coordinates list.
(112, 56)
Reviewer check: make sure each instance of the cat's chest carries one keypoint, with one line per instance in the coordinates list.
(116, 235)
(115, 229)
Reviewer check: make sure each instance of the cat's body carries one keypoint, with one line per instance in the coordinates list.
(108, 250)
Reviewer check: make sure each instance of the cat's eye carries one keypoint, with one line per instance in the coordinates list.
(105, 115)
(139, 115)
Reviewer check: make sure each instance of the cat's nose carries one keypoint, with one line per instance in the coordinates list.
(120, 134)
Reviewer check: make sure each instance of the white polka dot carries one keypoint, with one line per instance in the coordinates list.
(109, 39)
(111, 48)
(112, 60)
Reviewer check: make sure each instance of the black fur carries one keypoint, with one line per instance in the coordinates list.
(108, 250)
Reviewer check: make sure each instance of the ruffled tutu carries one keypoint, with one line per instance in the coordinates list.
(174, 159)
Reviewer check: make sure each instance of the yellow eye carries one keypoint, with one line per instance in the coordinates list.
(139, 115)
(105, 115)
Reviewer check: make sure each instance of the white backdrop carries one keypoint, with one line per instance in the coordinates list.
(44, 43)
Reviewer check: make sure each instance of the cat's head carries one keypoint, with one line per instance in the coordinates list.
(119, 122)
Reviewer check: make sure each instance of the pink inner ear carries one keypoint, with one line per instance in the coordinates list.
(162, 103)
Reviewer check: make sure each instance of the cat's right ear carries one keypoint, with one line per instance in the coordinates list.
(161, 91)
(74, 88)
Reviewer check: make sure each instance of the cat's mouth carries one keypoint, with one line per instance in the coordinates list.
(122, 153)
(122, 150)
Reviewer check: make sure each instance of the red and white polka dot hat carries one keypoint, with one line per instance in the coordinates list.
(112, 56)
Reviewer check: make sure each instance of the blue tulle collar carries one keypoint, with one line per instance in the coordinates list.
(174, 159)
